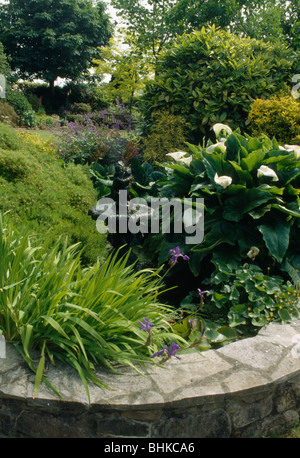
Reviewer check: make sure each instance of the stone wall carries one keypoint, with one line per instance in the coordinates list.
(250, 388)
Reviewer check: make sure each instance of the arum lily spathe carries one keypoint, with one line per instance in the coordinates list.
(220, 145)
(223, 181)
(293, 148)
(222, 130)
(267, 172)
(179, 156)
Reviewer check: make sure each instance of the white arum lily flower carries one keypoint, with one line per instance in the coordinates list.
(191, 217)
(223, 181)
(179, 156)
(222, 130)
(293, 148)
(221, 145)
(265, 171)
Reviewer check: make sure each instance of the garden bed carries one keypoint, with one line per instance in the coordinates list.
(249, 388)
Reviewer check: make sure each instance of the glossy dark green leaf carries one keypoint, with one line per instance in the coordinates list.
(276, 236)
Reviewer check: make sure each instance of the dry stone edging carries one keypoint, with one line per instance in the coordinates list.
(249, 388)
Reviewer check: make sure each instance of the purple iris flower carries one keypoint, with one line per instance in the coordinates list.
(174, 347)
(146, 326)
(201, 294)
(176, 254)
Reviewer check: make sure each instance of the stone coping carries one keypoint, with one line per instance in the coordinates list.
(247, 366)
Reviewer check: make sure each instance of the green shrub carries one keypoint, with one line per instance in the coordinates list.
(28, 119)
(13, 166)
(35, 103)
(37, 189)
(8, 114)
(277, 117)
(9, 138)
(212, 76)
(22, 107)
(81, 108)
(83, 317)
(167, 134)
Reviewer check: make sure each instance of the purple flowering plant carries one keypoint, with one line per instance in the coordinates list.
(174, 348)
(92, 137)
(146, 326)
(177, 253)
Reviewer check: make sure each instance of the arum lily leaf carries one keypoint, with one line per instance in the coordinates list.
(276, 236)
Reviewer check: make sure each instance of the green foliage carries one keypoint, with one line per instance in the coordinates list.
(27, 174)
(28, 119)
(147, 24)
(277, 117)
(167, 134)
(129, 73)
(8, 114)
(212, 76)
(250, 297)
(81, 108)
(22, 107)
(50, 38)
(250, 188)
(9, 138)
(88, 139)
(35, 103)
(83, 317)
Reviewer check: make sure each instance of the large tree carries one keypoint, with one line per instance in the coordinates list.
(53, 38)
(154, 23)
(129, 72)
(147, 24)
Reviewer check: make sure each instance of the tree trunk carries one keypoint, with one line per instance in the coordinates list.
(52, 87)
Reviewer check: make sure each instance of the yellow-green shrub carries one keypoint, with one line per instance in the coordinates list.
(39, 192)
(277, 117)
(44, 146)
(168, 134)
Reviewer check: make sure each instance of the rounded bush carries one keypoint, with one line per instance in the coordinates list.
(81, 108)
(277, 117)
(167, 134)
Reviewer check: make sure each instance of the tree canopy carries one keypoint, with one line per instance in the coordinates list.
(152, 24)
(53, 38)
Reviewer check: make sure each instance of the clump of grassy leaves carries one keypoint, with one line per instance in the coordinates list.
(83, 317)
